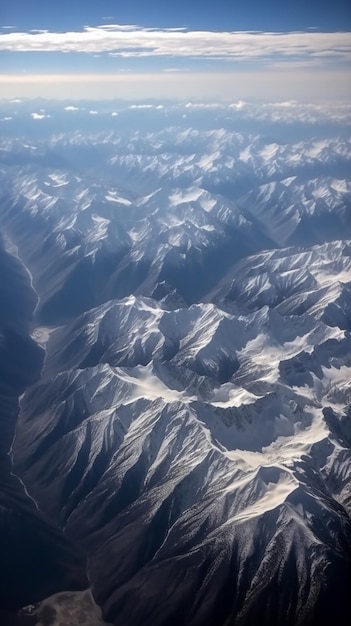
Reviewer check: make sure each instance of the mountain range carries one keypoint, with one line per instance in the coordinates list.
(175, 353)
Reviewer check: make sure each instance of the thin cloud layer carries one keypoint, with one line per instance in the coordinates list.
(134, 41)
(329, 85)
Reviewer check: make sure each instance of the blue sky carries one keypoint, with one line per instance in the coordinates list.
(260, 48)
(216, 14)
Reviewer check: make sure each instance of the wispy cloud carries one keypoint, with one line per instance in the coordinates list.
(146, 106)
(134, 41)
(176, 69)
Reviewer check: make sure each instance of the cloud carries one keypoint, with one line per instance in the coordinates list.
(176, 69)
(39, 116)
(71, 108)
(203, 105)
(332, 85)
(146, 106)
(235, 106)
(133, 41)
(309, 63)
(93, 112)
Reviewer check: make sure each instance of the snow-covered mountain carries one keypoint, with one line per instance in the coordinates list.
(186, 296)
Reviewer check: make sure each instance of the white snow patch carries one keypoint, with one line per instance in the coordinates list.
(41, 335)
(147, 385)
(228, 395)
(245, 155)
(59, 180)
(274, 496)
(180, 196)
(269, 151)
(288, 181)
(317, 147)
(113, 196)
(340, 185)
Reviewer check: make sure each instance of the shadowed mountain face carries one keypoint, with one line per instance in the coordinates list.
(176, 318)
(36, 559)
